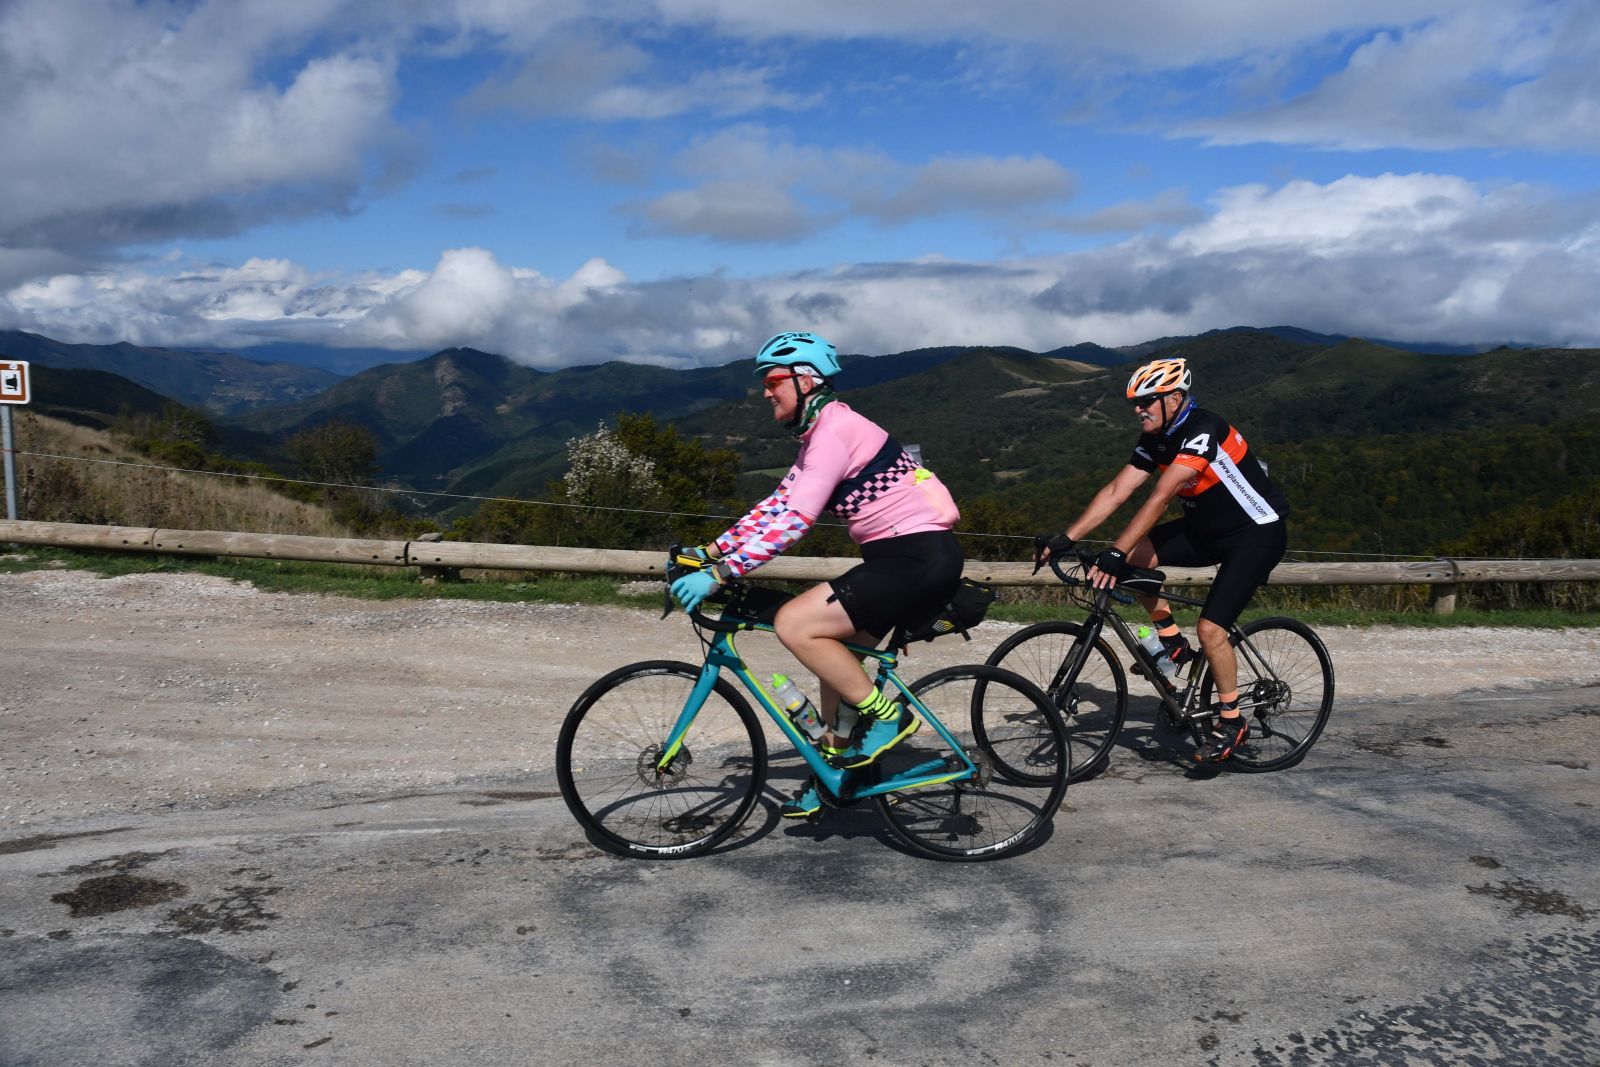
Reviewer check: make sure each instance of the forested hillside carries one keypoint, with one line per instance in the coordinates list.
(1380, 450)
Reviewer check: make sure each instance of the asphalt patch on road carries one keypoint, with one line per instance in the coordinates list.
(116, 892)
(1531, 1005)
(243, 909)
(38, 841)
(157, 1000)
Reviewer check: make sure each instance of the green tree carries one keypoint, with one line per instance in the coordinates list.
(638, 485)
(1567, 529)
(344, 455)
(336, 451)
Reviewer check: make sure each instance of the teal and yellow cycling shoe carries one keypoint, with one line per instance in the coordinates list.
(879, 737)
(803, 804)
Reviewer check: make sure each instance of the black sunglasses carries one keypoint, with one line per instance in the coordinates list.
(1140, 402)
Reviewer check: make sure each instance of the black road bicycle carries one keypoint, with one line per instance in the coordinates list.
(1285, 676)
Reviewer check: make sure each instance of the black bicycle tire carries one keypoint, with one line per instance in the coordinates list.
(896, 808)
(1090, 763)
(594, 825)
(1243, 759)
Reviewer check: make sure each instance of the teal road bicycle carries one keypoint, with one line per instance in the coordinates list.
(666, 759)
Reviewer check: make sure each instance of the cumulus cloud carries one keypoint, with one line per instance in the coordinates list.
(1411, 257)
(145, 122)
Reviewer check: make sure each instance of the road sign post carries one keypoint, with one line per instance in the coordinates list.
(13, 390)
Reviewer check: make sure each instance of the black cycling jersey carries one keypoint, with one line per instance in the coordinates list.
(1230, 490)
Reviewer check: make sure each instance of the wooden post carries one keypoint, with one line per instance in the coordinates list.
(432, 575)
(1442, 595)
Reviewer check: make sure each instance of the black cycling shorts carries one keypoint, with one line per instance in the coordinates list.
(1245, 557)
(900, 579)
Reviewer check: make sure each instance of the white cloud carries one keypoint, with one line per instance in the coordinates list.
(733, 210)
(1307, 217)
(757, 185)
(1149, 34)
(144, 122)
(584, 76)
(1418, 257)
(1170, 208)
(1502, 77)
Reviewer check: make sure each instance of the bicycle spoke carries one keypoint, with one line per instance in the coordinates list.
(1093, 702)
(1286, 687)
(608, 762)
(1016, 741)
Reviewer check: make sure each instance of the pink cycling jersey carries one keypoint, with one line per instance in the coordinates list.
(846, 465)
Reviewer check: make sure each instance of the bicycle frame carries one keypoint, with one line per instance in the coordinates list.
(1176, 702)
(721, 652)
(1179, 704)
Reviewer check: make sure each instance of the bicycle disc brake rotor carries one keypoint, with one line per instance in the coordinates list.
(655, 777)
(1270, 696)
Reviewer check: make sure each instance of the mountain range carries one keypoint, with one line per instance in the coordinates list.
(996, 421)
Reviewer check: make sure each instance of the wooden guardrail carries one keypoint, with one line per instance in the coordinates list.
(454, 556)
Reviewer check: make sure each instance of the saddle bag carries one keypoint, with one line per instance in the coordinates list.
(966, 609)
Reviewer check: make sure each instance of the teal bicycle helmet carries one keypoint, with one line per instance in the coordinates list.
(799, 349)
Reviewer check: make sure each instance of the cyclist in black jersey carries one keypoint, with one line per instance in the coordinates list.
(1233, 516)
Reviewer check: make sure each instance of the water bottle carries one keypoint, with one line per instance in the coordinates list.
(801, 711)
(1158, 652)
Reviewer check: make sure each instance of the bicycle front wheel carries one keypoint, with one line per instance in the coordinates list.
(1009, 730)
(1093, 702)
(1285, 687)
(609, 752)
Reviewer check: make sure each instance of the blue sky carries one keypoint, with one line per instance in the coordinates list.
(671, 181)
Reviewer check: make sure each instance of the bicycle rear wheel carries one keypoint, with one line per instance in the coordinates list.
(1285, 687)
(1014, 736)
(1093, 703)
(610, 745)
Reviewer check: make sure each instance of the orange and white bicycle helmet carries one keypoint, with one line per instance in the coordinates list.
(1160, 376)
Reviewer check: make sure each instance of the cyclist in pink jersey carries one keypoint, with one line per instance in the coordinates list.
(895, 509)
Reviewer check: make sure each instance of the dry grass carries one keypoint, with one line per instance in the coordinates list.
(89, 487)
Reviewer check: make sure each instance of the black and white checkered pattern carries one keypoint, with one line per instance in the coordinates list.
(874, 487)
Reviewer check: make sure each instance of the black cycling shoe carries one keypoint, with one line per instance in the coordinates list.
(1226, 735)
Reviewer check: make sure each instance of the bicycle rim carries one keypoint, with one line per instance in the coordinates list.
(1022, 764)
(1093, 705)
(1285, 688)
(609, 749)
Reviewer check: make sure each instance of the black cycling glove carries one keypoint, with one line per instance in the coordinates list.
(1112, 561)
(1059, 546)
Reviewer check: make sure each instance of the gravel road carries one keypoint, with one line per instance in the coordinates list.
(177, 690)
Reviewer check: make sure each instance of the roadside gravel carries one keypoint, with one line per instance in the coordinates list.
(180, 690)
